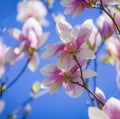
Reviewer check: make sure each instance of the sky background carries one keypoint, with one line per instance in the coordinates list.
(59, 105)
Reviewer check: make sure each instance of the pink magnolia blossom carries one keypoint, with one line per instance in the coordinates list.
(105, 26)
(74, 6)
(31, 8)
(72, 40)
(3, 51)
(31, 38)
(113, 55)
(111, 110)
(63, 73)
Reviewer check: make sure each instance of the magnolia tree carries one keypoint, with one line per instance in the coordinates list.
(76, 65)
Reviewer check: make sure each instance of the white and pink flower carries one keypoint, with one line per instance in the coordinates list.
(111, 110)
(31, 8)
(73, 40)
(64, 73)
(31, 38)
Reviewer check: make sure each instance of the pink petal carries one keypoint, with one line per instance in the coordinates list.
(89, 73)
(73, 90)
(95, 113)
(65, 62)
(17, 34)
(34, 62)
(112, 108)
(100, 94)
(63, 25)
(49, 70)
(84, 32)
(52, 50)
(52, 84)
(86, 53)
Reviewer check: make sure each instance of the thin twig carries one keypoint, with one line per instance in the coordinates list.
(85, 87)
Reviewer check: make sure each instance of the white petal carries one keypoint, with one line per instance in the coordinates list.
(16, 33)
(42, 38)
(85, 31)
(63, 25)
(49, 69)
(95, 113)
(52, 50)
(33, 62)
(100, 94)
(65, 62)
(56, 85)
(86, 53)
(66, 36)
(89, 74)
(2, 105)
(66, 2)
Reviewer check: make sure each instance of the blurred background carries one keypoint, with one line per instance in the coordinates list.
(58, 105)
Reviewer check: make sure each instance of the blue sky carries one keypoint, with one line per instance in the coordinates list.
(59, 105)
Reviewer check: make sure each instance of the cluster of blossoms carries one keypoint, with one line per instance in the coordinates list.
(71, 49)
(77, 47)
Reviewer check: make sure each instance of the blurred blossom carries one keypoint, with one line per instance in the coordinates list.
(113, 55)
(111, 110)
(100, 94)
(2, 105)
(72, 40)
(62, 74)
(94, 39)
(116, 13)
(75, 6)
(3, 51)
(105, 26)
(31, 38)
(31, 8)
(111, 2)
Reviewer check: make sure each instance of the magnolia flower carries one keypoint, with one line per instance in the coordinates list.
(74, 6)
(3, 51)
(111, 110)
(113, 55)
(105, 26)
(62, 74)
(72, 40)
(31, 8)
(31, 38)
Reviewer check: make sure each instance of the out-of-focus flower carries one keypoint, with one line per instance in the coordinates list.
(111, 110)
(31, 38)
(31, 8)
(94, 39)
(2, 105)
(3, 51)
(100, 94)
(113, 55)
(116, 13)
(105, 26)
(76, 6)
(111, 2)
(72, 40)
(62, 74)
